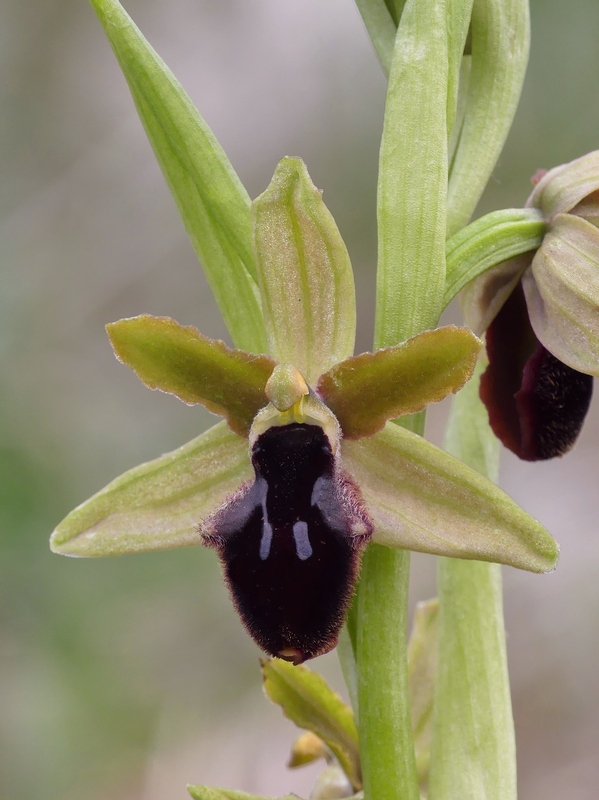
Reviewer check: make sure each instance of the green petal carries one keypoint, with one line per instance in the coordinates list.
(367, 390)
(422, 675)
(562, 293)
(211, 199)
(564, 187)
(158, 505)
(500, 45)
(420, 498)
(412, 183)
(305, 274)
(308, 701)
(177, 359)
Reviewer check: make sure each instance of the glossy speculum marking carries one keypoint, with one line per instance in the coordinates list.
(290, 543)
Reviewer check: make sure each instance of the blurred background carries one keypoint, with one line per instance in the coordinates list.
(128, 678)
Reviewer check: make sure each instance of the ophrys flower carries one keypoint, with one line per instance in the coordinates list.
(541, 314)
(310, 467)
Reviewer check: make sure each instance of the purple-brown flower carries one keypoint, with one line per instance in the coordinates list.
(308, 467)
(540, 312)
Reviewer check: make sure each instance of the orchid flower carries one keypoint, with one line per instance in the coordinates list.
(539, 311)
(307, 468)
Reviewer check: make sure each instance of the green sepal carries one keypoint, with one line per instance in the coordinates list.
(563, 189)
(422, 676)
(159, 505)
(488, 242)
(212, 201)
(500, 45)
(412, 181)
(307, 700)
(177, 359)
(421, 498)
(305, 275)
(211, 793)
(562, 292)
(367, 390)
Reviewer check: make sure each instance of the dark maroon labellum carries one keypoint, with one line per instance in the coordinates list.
(290, 543)
(553, 402)
(536, 404)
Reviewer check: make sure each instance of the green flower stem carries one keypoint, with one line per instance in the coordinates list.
(489, 241)
(386, 743)
(412, 185)
(411, 209)
(379, 618)
(473, 751)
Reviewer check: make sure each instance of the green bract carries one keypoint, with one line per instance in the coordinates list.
(211, 199)
(500, 43)
(307, 700)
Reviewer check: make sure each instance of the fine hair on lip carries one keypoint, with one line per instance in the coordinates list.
(290, 543)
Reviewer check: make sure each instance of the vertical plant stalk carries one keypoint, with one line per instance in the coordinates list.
(378, 625)
(385, 727)
(412, 184)
(473, 752)
(411, 213)
(410, 273)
